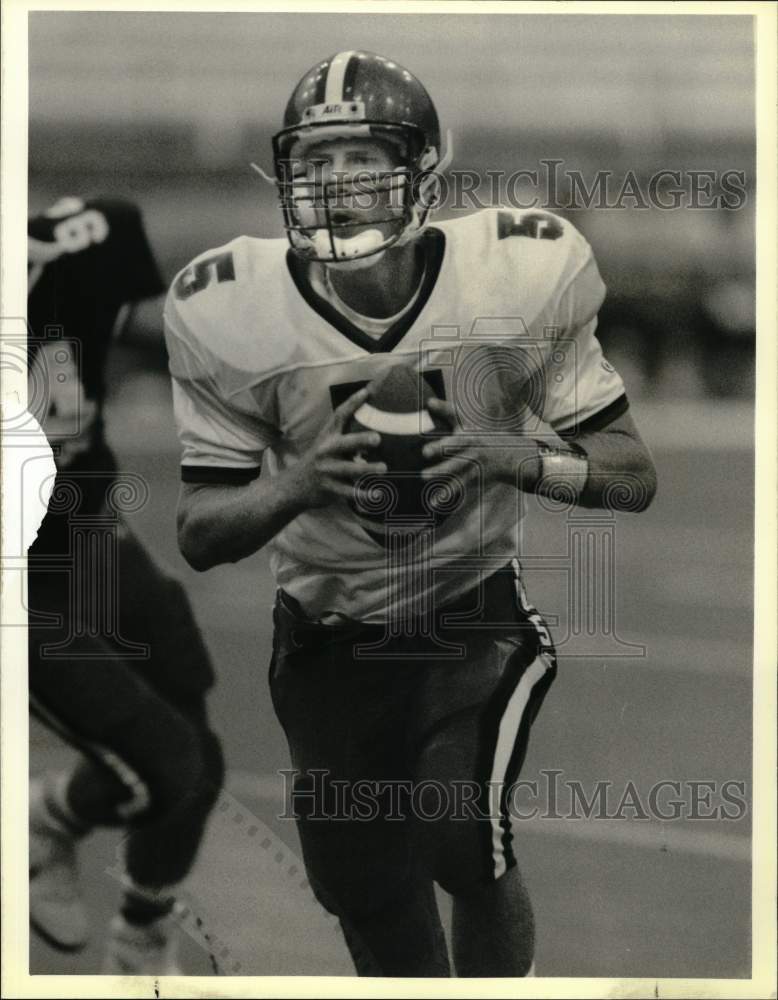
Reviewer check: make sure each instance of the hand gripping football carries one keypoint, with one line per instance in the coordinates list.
(400, 499)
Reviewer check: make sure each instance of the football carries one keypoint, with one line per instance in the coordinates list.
(400, 499)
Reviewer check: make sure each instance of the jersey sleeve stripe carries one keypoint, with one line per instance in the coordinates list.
(219, 474)
(597, 421)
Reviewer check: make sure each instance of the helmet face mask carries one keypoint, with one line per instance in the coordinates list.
(340, 217)
(343, 215)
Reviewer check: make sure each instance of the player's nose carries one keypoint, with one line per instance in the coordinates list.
(340, 184)
(335, 175)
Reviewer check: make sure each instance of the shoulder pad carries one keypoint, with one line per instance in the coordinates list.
(207, 270)
(549, 249)
(220, 304)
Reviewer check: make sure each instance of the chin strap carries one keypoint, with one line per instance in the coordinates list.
(445, 162)
(367, 242)
(262, 174)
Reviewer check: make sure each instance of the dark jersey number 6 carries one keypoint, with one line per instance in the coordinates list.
(536, 225)
(198, 276)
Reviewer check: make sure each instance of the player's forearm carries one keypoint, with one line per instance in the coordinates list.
(617, 473)
(622, 475)
(223, 524)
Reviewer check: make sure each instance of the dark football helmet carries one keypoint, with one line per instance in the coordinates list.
(357, 95)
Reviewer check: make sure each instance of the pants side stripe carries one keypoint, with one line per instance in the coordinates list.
(510, 725)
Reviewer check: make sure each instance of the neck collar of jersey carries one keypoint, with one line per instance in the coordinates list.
(376, 326)
(434, 245)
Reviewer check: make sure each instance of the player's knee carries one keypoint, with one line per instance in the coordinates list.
(363, 896)
(457, 874)
(200, 775)
(348, 886)
(191, 771)
(454, 852)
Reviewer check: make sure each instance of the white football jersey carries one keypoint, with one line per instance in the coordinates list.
(504, 325)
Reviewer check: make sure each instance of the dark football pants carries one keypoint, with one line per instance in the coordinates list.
(441, 737)
(150, 760)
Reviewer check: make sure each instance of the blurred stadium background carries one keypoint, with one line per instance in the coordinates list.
(169, 109)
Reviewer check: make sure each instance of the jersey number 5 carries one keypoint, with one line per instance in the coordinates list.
(339, 393)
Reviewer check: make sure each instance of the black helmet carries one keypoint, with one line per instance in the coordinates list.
(355, 95)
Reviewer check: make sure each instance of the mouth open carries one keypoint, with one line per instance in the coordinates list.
(348, 224)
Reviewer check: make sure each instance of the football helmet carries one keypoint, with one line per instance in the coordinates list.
(356, 95)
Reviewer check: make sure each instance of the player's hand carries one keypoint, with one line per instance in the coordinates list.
(328, 470)
(488, 457)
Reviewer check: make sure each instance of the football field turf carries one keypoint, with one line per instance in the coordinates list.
(665, 697)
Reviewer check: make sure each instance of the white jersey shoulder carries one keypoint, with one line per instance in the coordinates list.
(543, 258)
(218, 305)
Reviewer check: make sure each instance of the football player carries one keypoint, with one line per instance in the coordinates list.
(117, 665)
(419, 674)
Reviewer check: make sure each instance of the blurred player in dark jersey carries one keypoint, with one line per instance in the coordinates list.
(117, 665)
(416, 668)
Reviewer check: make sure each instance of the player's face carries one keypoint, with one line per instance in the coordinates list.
(348, 157)
(354, 178)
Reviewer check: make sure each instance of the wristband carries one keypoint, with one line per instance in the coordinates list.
(563, 470)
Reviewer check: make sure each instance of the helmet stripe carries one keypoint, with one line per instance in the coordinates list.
(321, 81)
(335, 77)
(350, 78)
